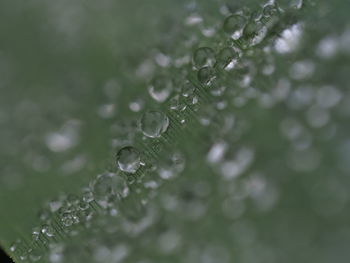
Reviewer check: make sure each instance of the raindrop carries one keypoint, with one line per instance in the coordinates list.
(128, 159)
(154, 123)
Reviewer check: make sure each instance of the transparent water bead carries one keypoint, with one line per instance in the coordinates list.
(67, 219)
(102, 186)
(204, 56)
(226, 57)
(48, 230)
(160, 88)
(154, 123)
(172, 165)
(233, 25)
(188, 89)
(128, 159)
(206, 75)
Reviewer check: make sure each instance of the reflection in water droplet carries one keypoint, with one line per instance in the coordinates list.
(154, 123)
(128, 159)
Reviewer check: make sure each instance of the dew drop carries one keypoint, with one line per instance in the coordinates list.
(128, 159)
(88, 196)
(204, 56)
(188, 89)
(233, 25)
(172, 165)
(226, 57)
(206, 75)
(35, 255)
(67, 219)
(160, 88)
(102, 186)
(48, 230)
(35, 233)
(154, 123)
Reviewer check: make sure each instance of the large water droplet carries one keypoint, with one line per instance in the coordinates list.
(128, 159)
(154, 123)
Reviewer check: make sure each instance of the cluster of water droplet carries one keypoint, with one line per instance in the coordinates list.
(255, 122)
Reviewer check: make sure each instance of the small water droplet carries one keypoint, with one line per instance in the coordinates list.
(160, 88)
(35, 255)
(67, 219)
(204, 56)
(233, 25)
(48, 230)
(172, 165)
(36, 233)
(154, 123)
(128, 159)
(226, 58)
(206, 75)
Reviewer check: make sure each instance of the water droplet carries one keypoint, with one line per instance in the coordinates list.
(177, 104)
(102, 186)
(233, 25)
(269, 10)
(154, 123)
(188, 89)
(226, 58)
(206, 75)
(67, 219)
(35, 255)
(172, 165)
(204, 56)
(128, 159)
(160, 88)
(35, 233)
(48, 230)
(88, 196)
